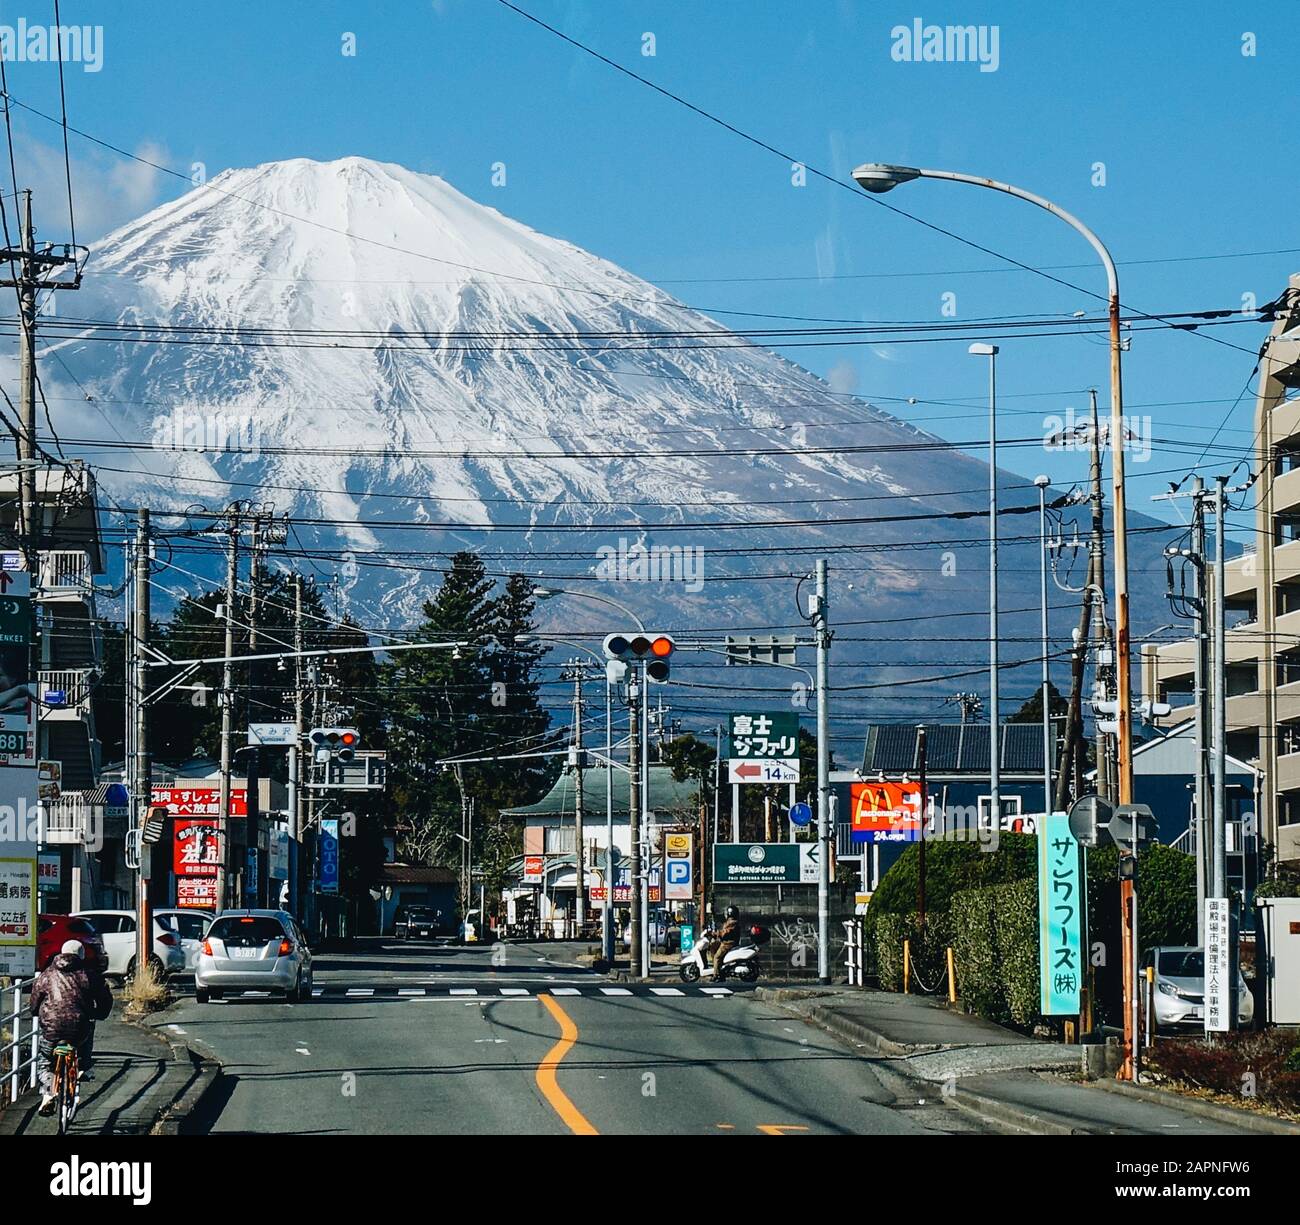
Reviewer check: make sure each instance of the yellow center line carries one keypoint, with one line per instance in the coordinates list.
(547, 1081)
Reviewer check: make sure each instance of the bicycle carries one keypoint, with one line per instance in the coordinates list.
(65, 1084)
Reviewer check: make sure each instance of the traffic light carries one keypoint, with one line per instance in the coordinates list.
(655, 649)
(339, 743)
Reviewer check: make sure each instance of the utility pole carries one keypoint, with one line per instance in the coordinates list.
(647, 858)
(821, 629)
(1219, 873)
(30, 273)
(635, 697)
(295, 749)
(1201, 696)
(227, 703)
(575, 673)
(924, 812)
(141, 765)
(1100, 630)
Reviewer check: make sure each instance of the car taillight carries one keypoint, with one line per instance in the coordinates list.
(286, 947)
(167, 938)
(207, 948)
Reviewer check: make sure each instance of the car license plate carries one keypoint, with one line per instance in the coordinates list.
(245, 952)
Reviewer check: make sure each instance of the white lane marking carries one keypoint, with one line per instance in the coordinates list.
(302, 1050)
(464, 991)
(490, 1041)
(514, 990)
(565, 991)
(361, 990)
(615, 991)
(256, 995)
(176, 1029)
(317, 991)
(666, 991)
(410, 991)
(716, 990)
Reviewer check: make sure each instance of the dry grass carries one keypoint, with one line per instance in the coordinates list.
(145, 993)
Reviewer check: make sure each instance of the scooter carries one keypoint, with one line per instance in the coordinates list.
(741, 962)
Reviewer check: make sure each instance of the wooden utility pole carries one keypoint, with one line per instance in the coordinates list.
(141, 770)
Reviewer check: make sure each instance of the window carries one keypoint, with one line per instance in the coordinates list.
(252, 931)
(1286, 598)
(559, 840)
(1286, 528)
(1288, 667)
(1285, 459)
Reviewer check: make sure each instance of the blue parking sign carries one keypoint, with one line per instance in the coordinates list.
(679, 880)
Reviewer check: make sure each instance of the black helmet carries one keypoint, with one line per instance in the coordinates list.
(733, 912)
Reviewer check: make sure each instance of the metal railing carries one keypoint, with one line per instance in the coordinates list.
(73, 683)
(69, 814)
(11, 1053)
(65, 570)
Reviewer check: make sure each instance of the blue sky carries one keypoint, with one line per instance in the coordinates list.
(1191, 132)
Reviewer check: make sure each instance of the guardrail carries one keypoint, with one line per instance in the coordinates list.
(11, 1053)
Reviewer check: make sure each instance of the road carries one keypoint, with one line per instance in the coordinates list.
(444, 1039)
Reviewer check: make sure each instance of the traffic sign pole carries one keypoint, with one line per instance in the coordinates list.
(820, 618)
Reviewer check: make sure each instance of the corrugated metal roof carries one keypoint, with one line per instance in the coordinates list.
(667, 795)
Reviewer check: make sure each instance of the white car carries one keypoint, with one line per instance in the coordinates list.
(191, 926)
(1180, 987)
(117, 928)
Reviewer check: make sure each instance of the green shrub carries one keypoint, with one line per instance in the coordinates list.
(986, 904)
(1242, 1064)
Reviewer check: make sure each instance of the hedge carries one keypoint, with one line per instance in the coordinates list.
(985, 904)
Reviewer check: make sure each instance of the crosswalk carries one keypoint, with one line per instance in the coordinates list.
(487, 991)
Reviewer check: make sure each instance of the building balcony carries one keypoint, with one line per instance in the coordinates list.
(70, 821)
(1242, 574)
(65, 574)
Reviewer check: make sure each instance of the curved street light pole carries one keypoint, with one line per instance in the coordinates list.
(877, 177)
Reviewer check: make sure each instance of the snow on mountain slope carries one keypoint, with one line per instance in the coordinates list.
(510, 426)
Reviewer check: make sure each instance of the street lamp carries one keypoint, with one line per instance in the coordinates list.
(995, 733)
(878, 178)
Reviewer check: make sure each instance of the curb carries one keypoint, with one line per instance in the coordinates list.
(1012, 1116)
(200, 1072)
(1207, 1110)
(839, 1025)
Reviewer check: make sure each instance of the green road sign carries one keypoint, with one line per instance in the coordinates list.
(763, 735)
(765, 863)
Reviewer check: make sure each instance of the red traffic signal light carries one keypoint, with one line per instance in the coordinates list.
(655, 649)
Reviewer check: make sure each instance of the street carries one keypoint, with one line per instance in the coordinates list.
(427, 1038)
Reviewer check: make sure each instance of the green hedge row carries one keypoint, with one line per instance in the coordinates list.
(985, 904)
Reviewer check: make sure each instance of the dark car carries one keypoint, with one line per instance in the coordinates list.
(418, 923)
(54, 930)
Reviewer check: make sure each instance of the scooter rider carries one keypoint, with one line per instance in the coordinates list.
(728, 938)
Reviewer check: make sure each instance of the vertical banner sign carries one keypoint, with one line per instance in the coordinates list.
(1061, 901)
(1218, 964)
(763, 746)
(679, 867)
(329, 856)
(19, 807)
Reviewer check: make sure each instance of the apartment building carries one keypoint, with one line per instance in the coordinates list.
(66, 665)
(1262, 596)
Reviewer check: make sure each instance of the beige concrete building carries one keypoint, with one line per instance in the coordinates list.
(1262, 595)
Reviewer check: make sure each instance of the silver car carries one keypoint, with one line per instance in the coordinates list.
(253, 950)
(190, 927)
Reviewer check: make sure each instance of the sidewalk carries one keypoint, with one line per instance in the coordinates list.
(1022, 1084)
(140, 1077)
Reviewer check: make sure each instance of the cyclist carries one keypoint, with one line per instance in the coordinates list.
(66, 1000)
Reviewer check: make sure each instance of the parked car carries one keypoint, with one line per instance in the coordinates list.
(191, 926)
(54, 930)
(253, 950)
(1180, 987)
(117, 929)
(418, 922)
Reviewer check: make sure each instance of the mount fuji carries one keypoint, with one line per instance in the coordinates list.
(398, 367)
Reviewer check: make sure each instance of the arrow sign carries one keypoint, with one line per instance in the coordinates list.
(747, 769)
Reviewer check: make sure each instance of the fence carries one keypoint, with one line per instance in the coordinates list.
(855, 953)
(11, 1053)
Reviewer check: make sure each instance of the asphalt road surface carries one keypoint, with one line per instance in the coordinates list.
(437, 1038)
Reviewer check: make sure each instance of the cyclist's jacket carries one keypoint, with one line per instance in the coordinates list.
(66, 998)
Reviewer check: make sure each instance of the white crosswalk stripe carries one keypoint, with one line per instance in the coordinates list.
(666, 991)
(615, 991)
(716, 990)
(361, 990)
(410, 991)
(464, 991)
(514, 991)
(565, 991)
